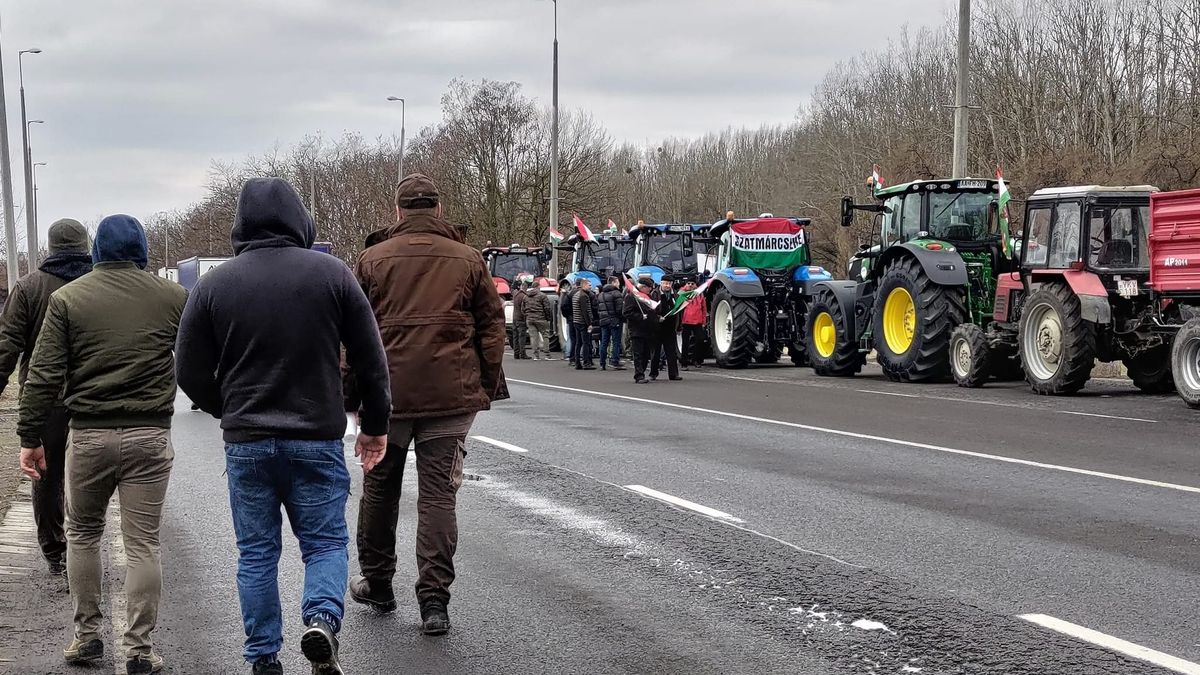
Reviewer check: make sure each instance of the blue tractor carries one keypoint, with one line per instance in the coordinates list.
(595, 260)
(760, 293)
(676, 252)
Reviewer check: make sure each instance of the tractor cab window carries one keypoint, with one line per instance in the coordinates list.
(598, 257)
(723, 251)
(1064, 239)
(1118, 237)
(508, 266)
(1037, 237)
(890, 227)
(961, 216)
(910, 217)
(666, 251)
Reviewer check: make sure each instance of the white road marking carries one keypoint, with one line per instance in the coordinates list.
(683, 503)
(1114, 644)
(887, 393)
(499, 444)
(1110, 417)
(880, 439)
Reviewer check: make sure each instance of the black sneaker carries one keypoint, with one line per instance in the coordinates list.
(376, 597)
(267, 668)
(435, 620)
(641, 380)
(84, 652)
(144, 664)
(320, 647)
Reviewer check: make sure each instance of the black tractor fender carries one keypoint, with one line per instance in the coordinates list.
(944, 268)
(845, 293)
(745, 285)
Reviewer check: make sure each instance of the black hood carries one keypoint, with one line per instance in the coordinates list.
(67, 265)
(270, 214)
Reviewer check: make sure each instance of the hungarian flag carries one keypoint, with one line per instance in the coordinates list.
(767, 243)
(584, 233)
(876, 177)
(1002, 207)
(555, 236)
(685, 297)
(612, 227)
(642, 297)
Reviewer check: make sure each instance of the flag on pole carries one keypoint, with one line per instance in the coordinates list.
(584, 233)
(685, 297)
(642, 297)
(555, 236)
(1002, 208)
(612, 227)
(876, 177)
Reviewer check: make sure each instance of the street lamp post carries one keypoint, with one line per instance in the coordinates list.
(31, 234)
(35, 194)
(400, 163)
(554, 150)
(10, 225)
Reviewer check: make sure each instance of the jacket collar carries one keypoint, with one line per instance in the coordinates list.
(425, 224)
(110, 265)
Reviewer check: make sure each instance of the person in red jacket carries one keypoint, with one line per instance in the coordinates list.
(695, 318)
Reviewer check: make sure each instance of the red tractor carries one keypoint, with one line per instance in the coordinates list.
(508, 263)
(1105, 273)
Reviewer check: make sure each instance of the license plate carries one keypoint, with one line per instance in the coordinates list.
(1127, 288)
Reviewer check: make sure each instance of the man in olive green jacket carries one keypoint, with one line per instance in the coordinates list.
(106, 348)
(69, 259)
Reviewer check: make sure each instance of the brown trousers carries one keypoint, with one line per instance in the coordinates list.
(440, 447)
(136, 464)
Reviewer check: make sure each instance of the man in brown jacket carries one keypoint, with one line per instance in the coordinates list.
(442, 325)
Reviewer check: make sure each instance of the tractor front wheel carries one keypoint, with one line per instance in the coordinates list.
(1185, 362)
(1151, 370)
(830, 350)
(1058, 348)
(913, 319)
(970, 356)
(734, 327)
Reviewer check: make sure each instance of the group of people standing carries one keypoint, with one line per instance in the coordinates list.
(598, 320)
(279, 344)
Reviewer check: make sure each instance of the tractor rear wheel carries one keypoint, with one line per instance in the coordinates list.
(829, 349)
(913, 319)
(734, 327)
(1185, 362)
(1151, 370)
(1058, 348)
(970, 356)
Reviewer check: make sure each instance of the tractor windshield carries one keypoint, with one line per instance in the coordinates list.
(961, 216)
(598, 257)
(1119, 237)
(509, 265)
(666, 251)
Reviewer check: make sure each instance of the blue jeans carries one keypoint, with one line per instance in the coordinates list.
(310, 481)
(613, 334)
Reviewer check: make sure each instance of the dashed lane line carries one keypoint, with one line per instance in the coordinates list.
(500, 444)
(1108, 417)
(871, 437)
(1114, 644)
(683, 503)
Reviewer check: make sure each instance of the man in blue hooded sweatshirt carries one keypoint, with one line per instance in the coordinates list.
(105, 351)
(260, 348)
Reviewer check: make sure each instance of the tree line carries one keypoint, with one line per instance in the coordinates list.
(1067, 91)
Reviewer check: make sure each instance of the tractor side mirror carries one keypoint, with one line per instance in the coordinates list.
(847, 211)
(689, 245)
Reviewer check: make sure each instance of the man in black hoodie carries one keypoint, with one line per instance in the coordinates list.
(259, 347)
(19, 327)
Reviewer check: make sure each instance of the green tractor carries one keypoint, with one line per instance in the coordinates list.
(933, 266)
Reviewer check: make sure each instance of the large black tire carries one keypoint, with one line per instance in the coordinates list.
(1185, 362)
(937, 310)
(970, 356)
(1058, 348)
(1151, 370)
(844, 360)
(744, 329)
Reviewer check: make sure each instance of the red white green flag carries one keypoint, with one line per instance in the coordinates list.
(1002, 207)
(685, 297)
(555, 236)
(766, 243)
(642, 297)
(584, 233)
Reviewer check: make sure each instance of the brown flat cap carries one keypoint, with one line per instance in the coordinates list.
(417, 191)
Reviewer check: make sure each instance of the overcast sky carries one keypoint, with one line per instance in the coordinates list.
(140, 95)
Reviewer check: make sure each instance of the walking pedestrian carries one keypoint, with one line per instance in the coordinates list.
(570, 345)
(105, 348)
(694, 319)
(583, 321)
(643, 330)
(260, 348)
(443, 330)
(668, 333)
(518, 311)
(539, 310)
(19, 327)
(610, 309)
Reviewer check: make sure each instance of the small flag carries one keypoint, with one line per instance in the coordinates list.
(555, 236)
(685, 297)
(1002, 207)
(876, 177)
(584, 233)
(612, 227)
(645, 299)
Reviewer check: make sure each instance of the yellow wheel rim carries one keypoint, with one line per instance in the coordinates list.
(899, 321)
(824, 335)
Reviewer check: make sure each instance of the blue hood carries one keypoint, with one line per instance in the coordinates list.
(120, 238)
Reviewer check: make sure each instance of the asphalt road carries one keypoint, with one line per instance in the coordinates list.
(853, 526)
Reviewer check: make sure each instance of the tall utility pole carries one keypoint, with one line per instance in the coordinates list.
(961, 111)
(312, 195)
(31, 233)
(400, 162)
(554, 150)
(10, 223)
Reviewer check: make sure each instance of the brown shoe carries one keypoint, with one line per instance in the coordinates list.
(380, 599)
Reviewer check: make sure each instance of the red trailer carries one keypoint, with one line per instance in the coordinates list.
(1175, 282)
